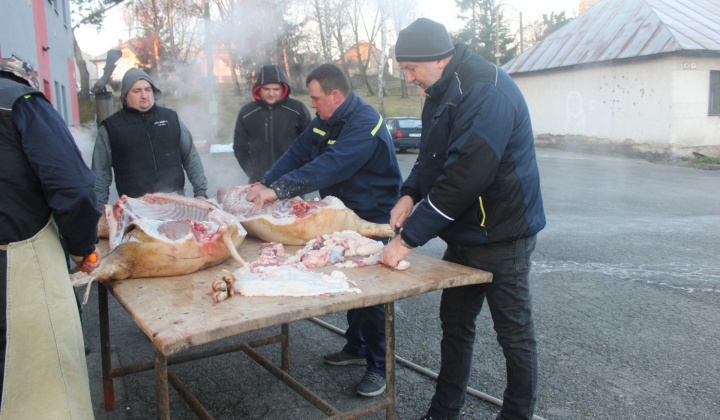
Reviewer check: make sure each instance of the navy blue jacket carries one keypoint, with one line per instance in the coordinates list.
(45, 146)
(349, 156)
(476, 176)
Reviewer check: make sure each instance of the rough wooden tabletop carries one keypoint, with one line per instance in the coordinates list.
(178, 312)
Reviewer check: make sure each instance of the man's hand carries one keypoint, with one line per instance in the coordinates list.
(201, 197)
(255, 190)
(267, 195)
(394, 252)
(400, 213)
(88, 263)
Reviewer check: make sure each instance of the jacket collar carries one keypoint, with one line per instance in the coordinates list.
(343, 111)
(438, 89)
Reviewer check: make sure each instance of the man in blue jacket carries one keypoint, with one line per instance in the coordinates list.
(346, 152)
(477, 186)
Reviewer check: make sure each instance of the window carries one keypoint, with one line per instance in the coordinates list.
(714, 106)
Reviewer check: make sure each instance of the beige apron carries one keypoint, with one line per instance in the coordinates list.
(45, 372)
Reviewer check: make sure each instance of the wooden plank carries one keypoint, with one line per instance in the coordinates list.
(178, 313)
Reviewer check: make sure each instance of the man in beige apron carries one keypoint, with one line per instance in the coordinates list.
(45, 372)
(46, 190)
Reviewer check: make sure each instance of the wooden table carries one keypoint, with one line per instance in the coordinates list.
(177, 314)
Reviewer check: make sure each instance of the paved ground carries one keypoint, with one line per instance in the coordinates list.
(626, 287)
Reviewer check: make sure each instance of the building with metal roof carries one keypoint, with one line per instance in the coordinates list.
(644, 73)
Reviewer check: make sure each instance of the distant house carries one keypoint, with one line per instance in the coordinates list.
(39, 32)
(643, 74)
(351, 57)
(96, 65)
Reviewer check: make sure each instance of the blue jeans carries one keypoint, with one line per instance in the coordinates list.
(510, 302)
(365, 336)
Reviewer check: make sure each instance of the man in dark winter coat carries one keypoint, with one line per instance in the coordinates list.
(266, 127)
(477, 186)
(46, 190)
(346, 152)
(146, 145)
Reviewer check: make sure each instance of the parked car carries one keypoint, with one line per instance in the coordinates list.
(405, 132)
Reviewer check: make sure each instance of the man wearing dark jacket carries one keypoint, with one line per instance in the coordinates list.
(266, 127)
(46, 190)
(477, 186)
(146, 145)
(346, 152)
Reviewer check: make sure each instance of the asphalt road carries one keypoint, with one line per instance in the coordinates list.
(626, 285)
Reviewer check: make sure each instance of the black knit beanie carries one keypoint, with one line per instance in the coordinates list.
(423, 40)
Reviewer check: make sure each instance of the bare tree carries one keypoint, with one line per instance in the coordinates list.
(401, 14)
(367, 24)
(170, 26)
(87, 12)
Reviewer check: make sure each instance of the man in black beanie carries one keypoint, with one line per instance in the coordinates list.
(476, 185)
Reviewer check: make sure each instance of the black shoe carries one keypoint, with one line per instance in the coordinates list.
(371, 385)
(343, 358)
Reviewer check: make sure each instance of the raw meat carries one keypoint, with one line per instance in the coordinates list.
(335, 247)
(164, 235)
(295, 221)
(283, 279)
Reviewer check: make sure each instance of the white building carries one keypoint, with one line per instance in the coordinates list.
(640, 74)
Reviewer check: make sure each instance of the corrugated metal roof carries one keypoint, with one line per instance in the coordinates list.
(617, 29)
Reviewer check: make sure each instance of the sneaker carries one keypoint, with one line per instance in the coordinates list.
(371, 385)
(343, 358)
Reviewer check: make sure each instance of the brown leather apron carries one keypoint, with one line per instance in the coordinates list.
(45, 371)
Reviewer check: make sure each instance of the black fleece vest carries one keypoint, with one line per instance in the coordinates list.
(146, 151)
(23, 209)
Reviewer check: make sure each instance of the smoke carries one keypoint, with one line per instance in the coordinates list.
(84, 136)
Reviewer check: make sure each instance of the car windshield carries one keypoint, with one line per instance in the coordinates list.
(410, 124)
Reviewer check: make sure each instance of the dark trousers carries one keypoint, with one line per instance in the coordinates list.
(510, 302)
(365, 336)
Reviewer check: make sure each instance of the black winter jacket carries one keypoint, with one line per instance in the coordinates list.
(264, 133)
(476, 176)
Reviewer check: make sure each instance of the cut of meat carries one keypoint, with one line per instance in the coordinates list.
(289, 280)
(335, 247)
(164, 235)
(295, 221)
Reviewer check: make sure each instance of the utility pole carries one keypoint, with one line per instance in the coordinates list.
(522, 36)
(497, 36)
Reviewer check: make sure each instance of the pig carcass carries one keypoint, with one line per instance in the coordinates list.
(295, 221)
(163, 235)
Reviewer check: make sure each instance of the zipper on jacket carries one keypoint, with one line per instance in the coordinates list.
(152, 149)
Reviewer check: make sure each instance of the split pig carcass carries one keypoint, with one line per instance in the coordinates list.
(295, 221)
(161, 235)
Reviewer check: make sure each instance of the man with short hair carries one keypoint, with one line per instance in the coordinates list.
(146, 145)
(346, 152)
(267, 126)
(476, 185)
(46, 190)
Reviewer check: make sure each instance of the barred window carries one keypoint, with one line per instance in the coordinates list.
(714, 106)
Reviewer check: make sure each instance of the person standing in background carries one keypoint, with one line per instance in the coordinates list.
(146, 145)
(267, 126)
(46, 190)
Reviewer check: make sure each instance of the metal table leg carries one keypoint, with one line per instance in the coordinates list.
(390, 360)
(162, 394)
(104, 318)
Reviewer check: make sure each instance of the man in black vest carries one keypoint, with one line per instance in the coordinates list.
(46, 190)
(146, 145)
